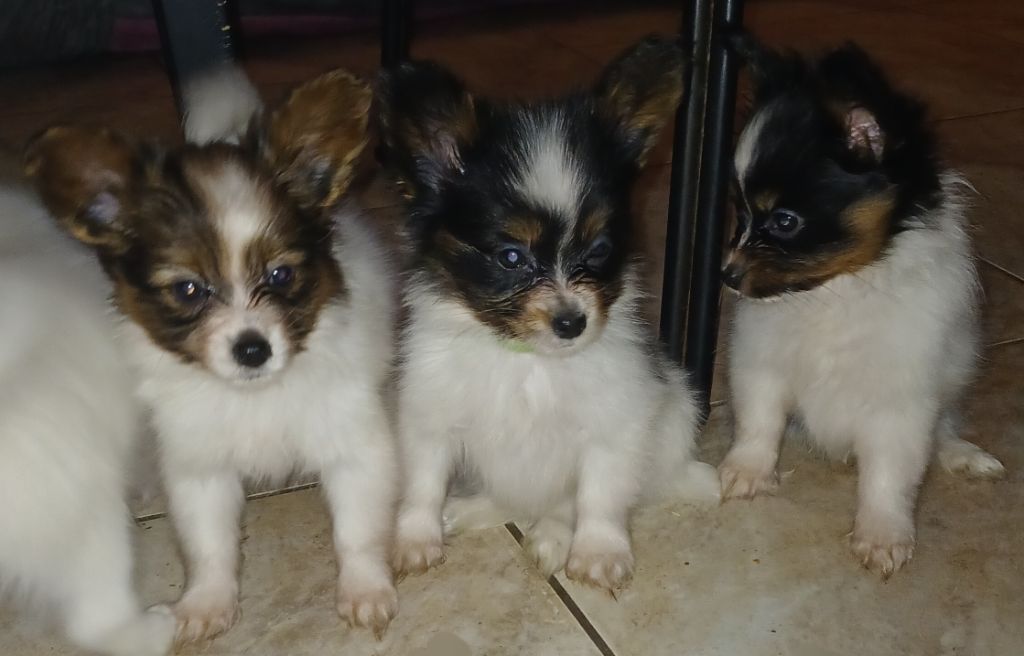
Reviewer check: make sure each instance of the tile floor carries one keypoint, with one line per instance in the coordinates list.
(770, 576)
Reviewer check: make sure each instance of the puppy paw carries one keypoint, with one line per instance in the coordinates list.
(604, 562)
(547, 545)
(745, 478)
(148, 634)
(417, 556)
(368, 605)
(971, 461)
(203, 613)
(881, 547)
(471, 514)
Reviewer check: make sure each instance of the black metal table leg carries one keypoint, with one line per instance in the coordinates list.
(395, 31)
(195, 35)
(697, 194)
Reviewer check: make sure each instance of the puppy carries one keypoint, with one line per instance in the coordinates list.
(525, 365)
(858, 300)
(259, 318)
(68, 427)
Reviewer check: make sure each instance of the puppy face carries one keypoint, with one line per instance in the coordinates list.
(831, 165)
(221, 254)
(521, 212)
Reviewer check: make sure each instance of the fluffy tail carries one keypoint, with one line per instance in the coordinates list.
(219, 106)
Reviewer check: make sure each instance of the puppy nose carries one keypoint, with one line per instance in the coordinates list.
(732, 276)
(569, 325)
(251, 349)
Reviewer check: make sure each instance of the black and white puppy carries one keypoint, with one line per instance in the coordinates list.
(526, 366)
(259, 317)
(859, 297)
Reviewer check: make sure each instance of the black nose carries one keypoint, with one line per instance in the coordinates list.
(251, 350)
(569, 325)
(732, 276)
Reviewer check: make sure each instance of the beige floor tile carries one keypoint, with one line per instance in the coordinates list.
(774, 576)
(1003, 305)
(483, 601)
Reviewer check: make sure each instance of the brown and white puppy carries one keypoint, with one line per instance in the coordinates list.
(858, 308)
(259, 318)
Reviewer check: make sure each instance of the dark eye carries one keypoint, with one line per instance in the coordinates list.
(190, 292)
(281, 276)
(784, 224)
(511, 258)
(599, 253)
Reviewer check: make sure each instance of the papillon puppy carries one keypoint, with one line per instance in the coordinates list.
(858, 304)
(259, 316)
(69, 426)
(526, 367)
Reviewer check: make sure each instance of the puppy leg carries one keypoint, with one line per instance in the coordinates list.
(549, 539)
(426, 468)
(892, 455)
(360, 489)
(761, 408)
(206, 512)
(958, 456)
(100, 609)
(601, 555)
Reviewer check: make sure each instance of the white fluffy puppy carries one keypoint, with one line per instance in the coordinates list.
(68, 425)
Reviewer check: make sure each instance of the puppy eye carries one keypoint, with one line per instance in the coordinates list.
(511, 258)
(281, 276)
(190, 292)
(784, 224)
(599, 253)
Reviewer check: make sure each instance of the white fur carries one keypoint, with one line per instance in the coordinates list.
(568, 443)
(68, 425)
(548, 176)
(874, 364)
(219, 106)
(323, 414)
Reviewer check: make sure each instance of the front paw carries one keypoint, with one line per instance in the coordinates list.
(368, 605)
(744, 478)
(205, 612)
(603, 563)
(547, 544)
(416, 556)
(882, 546)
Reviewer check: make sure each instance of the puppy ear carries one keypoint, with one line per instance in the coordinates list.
(864, 137)
(639, 92)
(84, 176)
(314, 139)
(872, 114)
(426, 119)
(771, 71)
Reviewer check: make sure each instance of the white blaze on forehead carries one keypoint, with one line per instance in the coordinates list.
(240, 212)
(747, 145)
(549, 176)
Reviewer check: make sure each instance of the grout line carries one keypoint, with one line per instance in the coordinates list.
(249, 497)
(991, 112)
(569, 603)
(1003, 269)
(1006, 342)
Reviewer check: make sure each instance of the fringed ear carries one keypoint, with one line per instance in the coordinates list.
(84, 177)
(854, 87)
(426, 119)
(771, 72)
(639, 92)
(314, 139)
